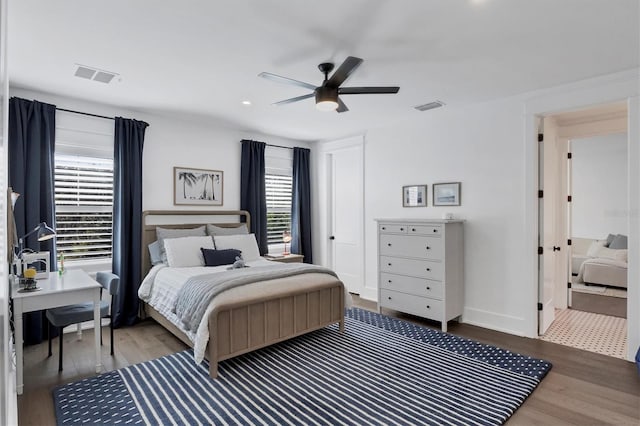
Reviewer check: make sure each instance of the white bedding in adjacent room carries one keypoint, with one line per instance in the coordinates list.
(160, 290)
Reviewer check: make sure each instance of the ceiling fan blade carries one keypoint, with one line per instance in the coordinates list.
(296, 99)
(344, 71)
(286, 80)
(367, 90)
(341, 106)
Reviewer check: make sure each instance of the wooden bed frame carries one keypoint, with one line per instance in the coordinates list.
(242, 326)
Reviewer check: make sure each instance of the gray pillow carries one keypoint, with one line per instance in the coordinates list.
(166, 233)
(155, 253)
(214, 230)
(619, 242)
(610, 239)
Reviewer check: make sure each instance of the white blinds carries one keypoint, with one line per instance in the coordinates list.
(278, 191)
(84, 206)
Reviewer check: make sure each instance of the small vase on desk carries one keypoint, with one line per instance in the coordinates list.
(61, 268)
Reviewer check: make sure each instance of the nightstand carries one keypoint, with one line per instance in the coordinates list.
(290, 258)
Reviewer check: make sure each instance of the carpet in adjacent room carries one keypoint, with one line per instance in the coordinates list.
(380, 371)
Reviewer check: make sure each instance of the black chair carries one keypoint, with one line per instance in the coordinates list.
(74, 314)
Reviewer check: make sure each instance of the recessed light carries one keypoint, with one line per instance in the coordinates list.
(247, 103)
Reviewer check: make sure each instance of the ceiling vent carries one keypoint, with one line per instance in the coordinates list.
(94, 74)
(430, 105)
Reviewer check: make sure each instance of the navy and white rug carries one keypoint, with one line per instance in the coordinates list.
(380, 371)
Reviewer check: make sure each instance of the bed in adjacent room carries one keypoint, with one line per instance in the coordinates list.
(223, 312)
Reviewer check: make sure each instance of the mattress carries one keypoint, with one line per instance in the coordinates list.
(160, 290)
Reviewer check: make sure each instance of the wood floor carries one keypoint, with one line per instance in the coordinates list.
(582, 388)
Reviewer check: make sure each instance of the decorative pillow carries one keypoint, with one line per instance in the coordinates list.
(155, 253)
(184, 252)
(595, 247)
(220, 257)
(218, 230)
(245, 243)
(165, 233)
(619, 242)
(610, 239)
(613, 254)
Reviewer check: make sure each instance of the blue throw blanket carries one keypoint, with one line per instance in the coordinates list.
(197, 293)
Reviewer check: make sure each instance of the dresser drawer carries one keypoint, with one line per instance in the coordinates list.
(411, 246)
(390, 228)
(421, 306)
(411, 285)
(433, 230)
(412, 268)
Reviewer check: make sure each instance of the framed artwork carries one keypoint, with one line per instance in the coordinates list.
(414, 196)
(197, 187)
(446, 194)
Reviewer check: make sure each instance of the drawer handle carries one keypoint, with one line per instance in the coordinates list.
(389, 297)
(389, 264)
(383, 228)
(428, 288)
(389, 280)
(389, 244)
(428, 269)
(402, 229)
(435, 230)
(413, 229)
(428, 307)
(428, 248)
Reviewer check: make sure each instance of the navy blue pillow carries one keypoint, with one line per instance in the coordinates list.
(219, 257)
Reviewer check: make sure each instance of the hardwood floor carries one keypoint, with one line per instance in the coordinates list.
(582, 388)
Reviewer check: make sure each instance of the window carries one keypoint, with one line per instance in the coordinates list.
(278, 184)
(84, 207)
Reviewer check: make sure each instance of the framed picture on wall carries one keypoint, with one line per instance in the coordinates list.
(197, 187)
(446, 194)
(414, 196)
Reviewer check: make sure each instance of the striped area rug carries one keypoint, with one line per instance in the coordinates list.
(380, 371)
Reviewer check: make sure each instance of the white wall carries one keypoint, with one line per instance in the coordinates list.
(599, 186)
(199, 143)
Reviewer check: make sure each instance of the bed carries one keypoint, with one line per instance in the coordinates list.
(241, 319)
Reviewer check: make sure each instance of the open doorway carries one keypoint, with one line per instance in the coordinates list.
(583, 229)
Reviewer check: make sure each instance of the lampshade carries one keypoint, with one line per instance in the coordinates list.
(326, 98)
(44, 232)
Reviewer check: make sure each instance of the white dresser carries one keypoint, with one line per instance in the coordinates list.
(420, 267)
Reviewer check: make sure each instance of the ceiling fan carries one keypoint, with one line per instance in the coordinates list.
(327, 94)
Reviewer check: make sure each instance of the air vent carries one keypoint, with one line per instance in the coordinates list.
(430, 105)
(94, 74)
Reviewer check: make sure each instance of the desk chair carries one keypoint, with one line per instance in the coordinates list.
(75, 314)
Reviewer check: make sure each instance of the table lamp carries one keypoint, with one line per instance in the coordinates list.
(286, 237)
(44, 233)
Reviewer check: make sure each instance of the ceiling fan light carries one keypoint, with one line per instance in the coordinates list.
(326, 98)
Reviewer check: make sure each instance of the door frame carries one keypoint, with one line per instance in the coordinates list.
(613, 88)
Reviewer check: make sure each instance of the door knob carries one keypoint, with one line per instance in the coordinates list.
(555, 248)
(332, 237)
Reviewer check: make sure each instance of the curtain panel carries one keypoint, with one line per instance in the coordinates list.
(252, 190)
(127, 216)
(301, 205)
(32, 129)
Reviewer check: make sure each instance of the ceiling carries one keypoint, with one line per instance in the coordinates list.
(202, 59)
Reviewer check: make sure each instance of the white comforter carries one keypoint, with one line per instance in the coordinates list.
(160, 290)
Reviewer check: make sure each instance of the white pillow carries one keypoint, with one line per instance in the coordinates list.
(613, 254)
(246, 243)
(595, 247)
(184, 252)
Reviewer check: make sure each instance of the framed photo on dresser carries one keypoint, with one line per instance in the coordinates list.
(197, 187)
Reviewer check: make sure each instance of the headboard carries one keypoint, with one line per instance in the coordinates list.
(185, 219)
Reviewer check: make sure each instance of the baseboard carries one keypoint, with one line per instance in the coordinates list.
(494, 321)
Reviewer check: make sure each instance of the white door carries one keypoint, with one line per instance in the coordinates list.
(547, 213)
(346, 197)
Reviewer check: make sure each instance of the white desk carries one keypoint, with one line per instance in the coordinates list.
(74, 286)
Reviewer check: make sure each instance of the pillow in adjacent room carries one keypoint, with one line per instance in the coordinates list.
(186, 251)
(595, 247)
(246, 243)
(219, 257)
(218, 230)
(610, 239)
(165, 233)
(619, 242)
(155, 253)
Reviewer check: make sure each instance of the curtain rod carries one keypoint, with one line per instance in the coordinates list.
(273, 146)
(85, 113)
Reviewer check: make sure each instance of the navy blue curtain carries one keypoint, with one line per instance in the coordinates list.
(252, 190)
(301, 205)
(127, 216)
(32, 129)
